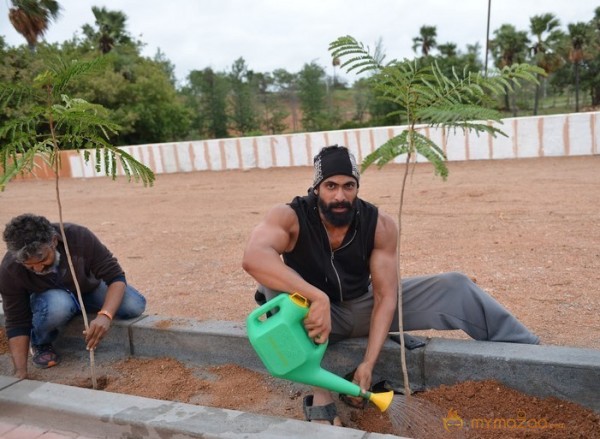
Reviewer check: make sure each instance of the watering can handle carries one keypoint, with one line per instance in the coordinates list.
(321, 348)
(299, 300)
(270, 305)
(256, 313)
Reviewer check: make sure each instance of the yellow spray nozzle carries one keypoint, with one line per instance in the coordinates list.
(381, 400)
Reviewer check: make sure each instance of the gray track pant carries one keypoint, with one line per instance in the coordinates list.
(442, 301)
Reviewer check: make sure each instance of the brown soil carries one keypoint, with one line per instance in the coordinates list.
(526, 230)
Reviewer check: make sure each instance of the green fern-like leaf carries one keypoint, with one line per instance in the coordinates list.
(60, 73)
(388, 151)
(426, 96)
(15, 165)
(432, 152)
(360, 58)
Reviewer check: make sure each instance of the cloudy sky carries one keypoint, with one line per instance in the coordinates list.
(271, 34)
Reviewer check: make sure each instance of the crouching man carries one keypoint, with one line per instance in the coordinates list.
(38, 293)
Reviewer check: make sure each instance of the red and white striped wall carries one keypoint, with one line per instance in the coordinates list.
(540, 136)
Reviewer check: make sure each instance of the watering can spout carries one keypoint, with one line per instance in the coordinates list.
(319, 377)
(381, 400)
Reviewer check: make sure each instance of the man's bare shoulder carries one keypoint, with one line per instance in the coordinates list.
(279, 228)
(281, 216)
(385, 219)
(387, 229)
(281, 212)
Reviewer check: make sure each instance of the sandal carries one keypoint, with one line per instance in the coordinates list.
(410, 342)
(356, 402)
(318, 413)
(386, 386)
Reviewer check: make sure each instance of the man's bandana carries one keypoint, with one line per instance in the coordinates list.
(334, 160)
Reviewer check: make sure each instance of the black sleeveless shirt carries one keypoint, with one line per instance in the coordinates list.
(344, 273)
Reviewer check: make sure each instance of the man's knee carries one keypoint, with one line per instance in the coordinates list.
(264, 294)
(133, 304)
(53, 302)
(454, 281)
(51, 309)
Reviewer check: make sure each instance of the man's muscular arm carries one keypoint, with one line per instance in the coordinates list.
(276, 234)
(384, 274)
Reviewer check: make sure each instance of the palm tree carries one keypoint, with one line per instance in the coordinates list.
(579, 37)
(448, 50)
(31, 18)
(508, 48)
(547, 35)
(111, 29)
(426, 40)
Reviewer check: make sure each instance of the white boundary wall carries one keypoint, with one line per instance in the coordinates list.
(541, 136)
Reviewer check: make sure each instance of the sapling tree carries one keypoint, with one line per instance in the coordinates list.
(426, 97)
(48, 121)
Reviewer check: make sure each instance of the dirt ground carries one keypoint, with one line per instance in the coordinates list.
(526, 230)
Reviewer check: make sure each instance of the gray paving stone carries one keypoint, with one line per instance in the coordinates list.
(105, 414)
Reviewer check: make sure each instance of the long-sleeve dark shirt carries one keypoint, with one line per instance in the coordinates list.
(93, 262)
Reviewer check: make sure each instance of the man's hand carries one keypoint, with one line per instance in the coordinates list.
(19, 351)
(318, 320)
(98, 329)
(363, 376)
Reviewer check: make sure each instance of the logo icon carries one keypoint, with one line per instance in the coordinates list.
(452, 421)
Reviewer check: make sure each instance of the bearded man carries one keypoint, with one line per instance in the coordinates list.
(339, 252)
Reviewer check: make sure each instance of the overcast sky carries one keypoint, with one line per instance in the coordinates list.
(271, 34)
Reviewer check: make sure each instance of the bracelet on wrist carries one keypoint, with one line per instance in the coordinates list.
(105, 313)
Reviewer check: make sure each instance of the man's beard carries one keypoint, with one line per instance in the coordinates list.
(337, 219)
(52, 267)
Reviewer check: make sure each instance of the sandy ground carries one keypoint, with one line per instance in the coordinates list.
(526, 230)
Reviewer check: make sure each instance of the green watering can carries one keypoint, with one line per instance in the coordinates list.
(277, 334)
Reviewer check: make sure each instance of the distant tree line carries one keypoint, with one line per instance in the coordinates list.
(149, 105)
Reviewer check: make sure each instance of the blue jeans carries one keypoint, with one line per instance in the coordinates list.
(54, 308)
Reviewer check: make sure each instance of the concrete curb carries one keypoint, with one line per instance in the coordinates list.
(564, 372)
(103, 414)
